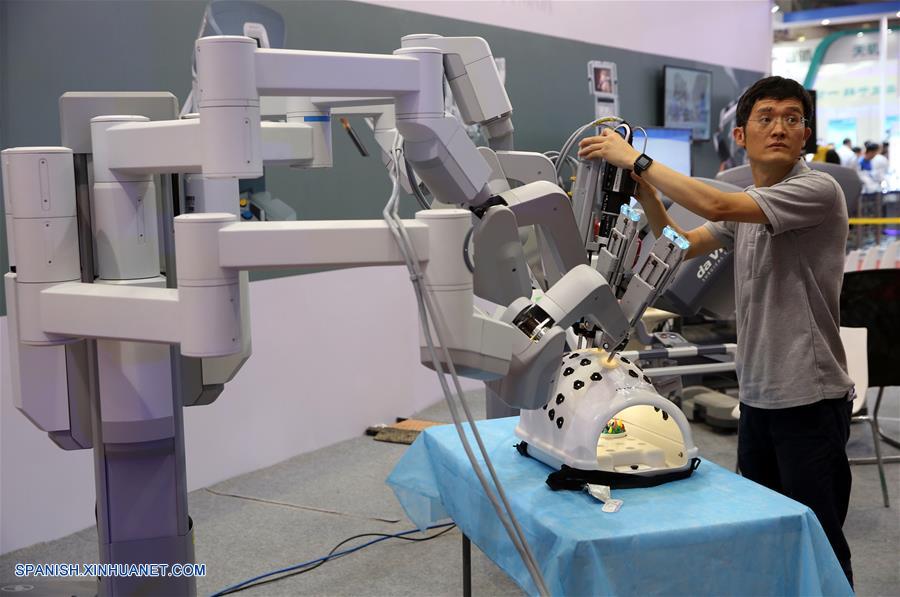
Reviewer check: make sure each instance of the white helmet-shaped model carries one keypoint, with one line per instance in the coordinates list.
(605, 423)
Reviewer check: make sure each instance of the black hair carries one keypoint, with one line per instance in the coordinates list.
(832, 157)
(847, 141)
(872, 146)
(777, 88)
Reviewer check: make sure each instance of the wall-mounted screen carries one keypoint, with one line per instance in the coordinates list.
(687, 100)
(671, 147)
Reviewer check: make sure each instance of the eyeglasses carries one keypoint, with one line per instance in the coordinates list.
(791, 121)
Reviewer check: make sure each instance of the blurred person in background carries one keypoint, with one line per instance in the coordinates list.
(873, 168)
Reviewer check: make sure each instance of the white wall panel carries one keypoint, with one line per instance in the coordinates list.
(733, 33)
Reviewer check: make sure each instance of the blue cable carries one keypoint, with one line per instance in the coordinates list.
(324, 558)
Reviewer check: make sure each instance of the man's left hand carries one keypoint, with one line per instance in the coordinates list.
(609, 146)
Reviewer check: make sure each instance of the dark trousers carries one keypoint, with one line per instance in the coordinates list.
(801, 452)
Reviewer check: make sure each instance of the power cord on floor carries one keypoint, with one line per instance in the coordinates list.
(313, 564)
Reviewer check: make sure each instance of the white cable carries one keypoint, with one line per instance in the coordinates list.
(426, 307)
(424, 301)
(646, 137)
(567, 146)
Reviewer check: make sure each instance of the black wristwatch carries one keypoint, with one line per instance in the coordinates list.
(642, 163)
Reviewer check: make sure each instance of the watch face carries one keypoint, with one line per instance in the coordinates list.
(642, 163)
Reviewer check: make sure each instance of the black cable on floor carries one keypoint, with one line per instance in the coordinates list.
(312, 565)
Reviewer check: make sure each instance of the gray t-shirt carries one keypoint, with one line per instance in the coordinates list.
(787, 286)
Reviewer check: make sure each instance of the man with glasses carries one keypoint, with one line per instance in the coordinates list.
(789, 232)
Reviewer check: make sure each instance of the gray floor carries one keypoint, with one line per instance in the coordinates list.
(337, 492)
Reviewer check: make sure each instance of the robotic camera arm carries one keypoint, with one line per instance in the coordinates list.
(475, 82)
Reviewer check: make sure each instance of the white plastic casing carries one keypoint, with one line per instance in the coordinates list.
(41, 187)
(231, 142)
(125, 225)
(472, 74)
(446, 275)
(287, 143)
(318, 118)
(37, 373)
(208, 294)
(135, 383)
(429, 101)
(229, 107)
(100, 148)
(480, 346)
(220, 195)
(124, 204)
(437, 146)
(226, 71)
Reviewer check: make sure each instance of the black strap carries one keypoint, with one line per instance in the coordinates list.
(569, 478)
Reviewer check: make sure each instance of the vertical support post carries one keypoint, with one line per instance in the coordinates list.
(138, 428)
(467, 566)
(229, 107)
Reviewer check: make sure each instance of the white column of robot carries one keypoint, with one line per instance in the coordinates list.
(208, 294)
(134, 378)
(446, 276)
(39, 192)
(229, 107)
(211, 194)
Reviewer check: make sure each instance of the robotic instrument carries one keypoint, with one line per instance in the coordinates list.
(590, 386)
(135, 327)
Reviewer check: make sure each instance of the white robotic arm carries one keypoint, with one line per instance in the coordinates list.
(652, 277)
(542, 321)
(614, 260)
(475, 82)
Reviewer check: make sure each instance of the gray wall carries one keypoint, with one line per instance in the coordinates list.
(49, 47)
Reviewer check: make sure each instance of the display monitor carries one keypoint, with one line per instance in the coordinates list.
(671, 147)
(687, 100)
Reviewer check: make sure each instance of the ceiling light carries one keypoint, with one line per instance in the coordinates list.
(801, 38)
(826, 21)
(776, 7)
(898, 13)
(860, 34)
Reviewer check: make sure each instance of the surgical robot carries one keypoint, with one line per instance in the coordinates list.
(119, 333)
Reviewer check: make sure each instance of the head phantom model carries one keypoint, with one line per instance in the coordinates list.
(603, 419)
